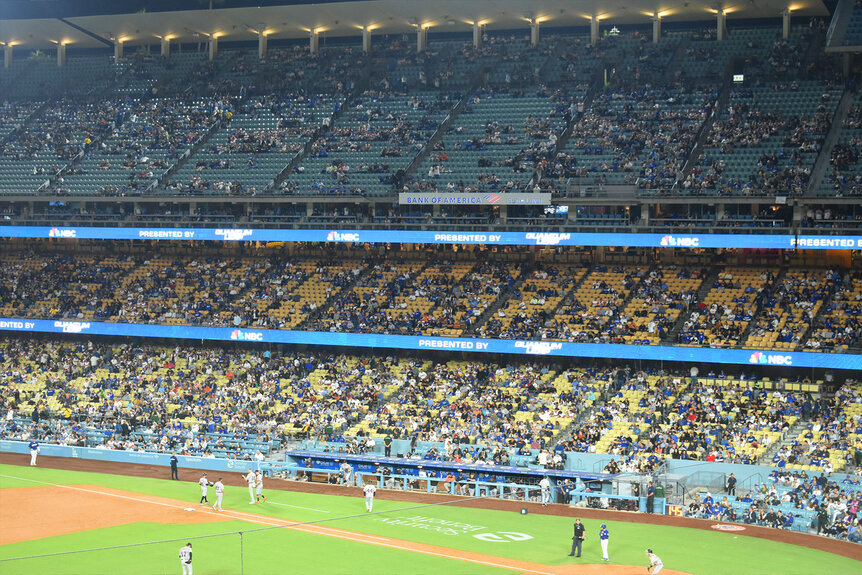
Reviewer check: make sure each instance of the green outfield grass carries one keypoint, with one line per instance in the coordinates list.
(287, 551)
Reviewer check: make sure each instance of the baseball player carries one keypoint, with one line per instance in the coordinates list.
(346, 471)
(219, 489)
(34, 451)
(654, 562)
(603, 539)
(545, 484)
(370, 489)
(258, 483)
(204, 482)
(186, 559)
(252, 481)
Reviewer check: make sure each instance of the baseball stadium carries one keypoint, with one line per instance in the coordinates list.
(377, 287)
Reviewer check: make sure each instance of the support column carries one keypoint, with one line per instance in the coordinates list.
(798, 213)
(166, 48)
(477, 35)
(261, 45)
(594, 30)
(504, 215)
(118, 50)
(366, 40)
(421, 38)
(656, 28)
(721, 26)
(313, 42)
(7, 57)
(61, 55)
(213, 47)
(785, 24)
(534, 34)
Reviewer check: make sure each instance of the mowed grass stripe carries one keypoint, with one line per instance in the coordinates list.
(695, 551)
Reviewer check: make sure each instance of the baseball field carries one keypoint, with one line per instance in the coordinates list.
(57, 521)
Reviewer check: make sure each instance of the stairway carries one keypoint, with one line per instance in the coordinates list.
(745, 333)
(324, 308)
(702, 292)
(824, 157)
(786, 439)
(706, 127)
(565, 136)
(498, 303)
(678, 56)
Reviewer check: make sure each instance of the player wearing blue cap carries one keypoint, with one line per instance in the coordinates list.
(603, 539)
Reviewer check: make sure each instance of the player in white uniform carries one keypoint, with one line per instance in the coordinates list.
(370, 489)
(204, 483)
(258, 483)
(186, 559)
(252, 481)
(655, 564)
(219, 489)
(545, 484)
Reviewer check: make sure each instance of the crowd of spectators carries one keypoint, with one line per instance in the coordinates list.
(758, 146)
(789, 500)
(357, 292)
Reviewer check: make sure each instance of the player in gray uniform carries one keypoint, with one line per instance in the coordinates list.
(370, 489)
(252, 481)
(346, 472)
(186, 559)
(258, 483)
(655, 564)
(219, 489)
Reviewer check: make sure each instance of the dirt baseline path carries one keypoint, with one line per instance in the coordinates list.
(844, 548)
(47, 510)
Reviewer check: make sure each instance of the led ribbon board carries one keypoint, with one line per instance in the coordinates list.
(520, 347)
(750, 241)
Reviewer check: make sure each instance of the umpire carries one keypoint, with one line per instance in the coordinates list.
(578, 538)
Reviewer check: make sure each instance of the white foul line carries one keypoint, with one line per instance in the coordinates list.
(268, 502)
(316, 529)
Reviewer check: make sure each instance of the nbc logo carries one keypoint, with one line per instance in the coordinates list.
(675, 242)
(334, 236)
(761, 358)
(58, 233)
(240, 335)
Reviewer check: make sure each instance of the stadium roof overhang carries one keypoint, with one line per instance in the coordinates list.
(93, 23)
